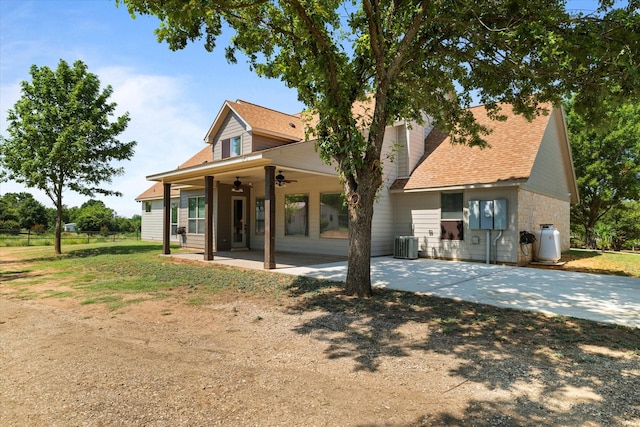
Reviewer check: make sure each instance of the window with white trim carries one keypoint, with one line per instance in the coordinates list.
(235, 146)
(196, 215)
(260, 216)
(334, 216)
(296, 213)
(174, 218)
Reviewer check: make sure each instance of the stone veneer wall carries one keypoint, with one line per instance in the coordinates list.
(535, 209)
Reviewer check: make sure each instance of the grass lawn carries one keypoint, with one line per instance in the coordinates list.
(140, 332)
(117, 274)
(125, 273)
(614, 263)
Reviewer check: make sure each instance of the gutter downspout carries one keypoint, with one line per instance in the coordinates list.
(488, 249)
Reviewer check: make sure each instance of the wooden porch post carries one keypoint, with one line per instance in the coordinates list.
(269, 217)
(166, 219)
(208, 218)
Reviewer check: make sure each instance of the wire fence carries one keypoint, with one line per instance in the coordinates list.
(32, 238)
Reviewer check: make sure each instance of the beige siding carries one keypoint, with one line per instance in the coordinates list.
(261, 142)
(382, 233)
(313, 187)
(151, 228)
(401, 150)
(195, 240)
(536, 209)
(301, 156)
(232, 126)
(416, 136)
(551, 170)
(421, 212)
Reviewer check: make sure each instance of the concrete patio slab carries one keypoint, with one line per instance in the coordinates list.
(603, 298)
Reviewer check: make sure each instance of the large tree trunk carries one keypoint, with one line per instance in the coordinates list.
(359, 268)
(361, 198)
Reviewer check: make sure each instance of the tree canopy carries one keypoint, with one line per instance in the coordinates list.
(606, 157)
(61, 137)
(411, 59)
(21, 210)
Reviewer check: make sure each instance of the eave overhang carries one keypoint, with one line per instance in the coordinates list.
(476, 186)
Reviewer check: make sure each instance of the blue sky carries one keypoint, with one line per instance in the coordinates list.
(172, 97)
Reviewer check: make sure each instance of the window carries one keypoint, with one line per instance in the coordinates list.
(334, 216)
(147, 207)
(174, 218)
(451, 216)
(259, 216)
(236, 146)
(231, 147)
(196, 215)
(296, 212)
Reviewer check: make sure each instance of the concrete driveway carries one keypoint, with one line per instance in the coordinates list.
(611, 299)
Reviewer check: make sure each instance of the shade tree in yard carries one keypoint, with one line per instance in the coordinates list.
(606, 157)
(60, 136)
(407, 60)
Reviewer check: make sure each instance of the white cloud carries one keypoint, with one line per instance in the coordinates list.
(168, 127)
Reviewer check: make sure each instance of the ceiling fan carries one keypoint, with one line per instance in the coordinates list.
(237, 185)
(281, 181)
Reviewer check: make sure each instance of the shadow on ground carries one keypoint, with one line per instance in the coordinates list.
(502, 349)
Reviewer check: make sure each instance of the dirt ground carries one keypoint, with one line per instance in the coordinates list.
(246, 361)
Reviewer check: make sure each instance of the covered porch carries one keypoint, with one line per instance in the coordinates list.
(239, 180)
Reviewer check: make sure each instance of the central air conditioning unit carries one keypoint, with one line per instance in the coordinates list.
(405, 247)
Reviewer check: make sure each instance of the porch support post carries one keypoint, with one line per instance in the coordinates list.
(269, 217)
(208, 218)
(166, 218)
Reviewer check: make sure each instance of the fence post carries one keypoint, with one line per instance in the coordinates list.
(29, 237)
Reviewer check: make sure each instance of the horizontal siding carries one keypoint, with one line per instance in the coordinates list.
(402, 151)
(194, 240)
(313, 187)
(232, 126)
(418, 214)
(261, 142)
(551, 172)
(151, 227)
(416, 145)
(382, 233)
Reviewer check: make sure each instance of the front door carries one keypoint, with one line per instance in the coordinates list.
(239, 223)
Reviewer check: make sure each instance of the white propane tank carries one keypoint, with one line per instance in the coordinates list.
(548, 244)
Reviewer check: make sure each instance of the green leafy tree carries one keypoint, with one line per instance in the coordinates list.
(624, 221)
(410, 58)
(9, 203)
(95, 216)
(32, 213)
(606, 157)
(71, 214)
(127, 225)
(60, 137)
(24, 209)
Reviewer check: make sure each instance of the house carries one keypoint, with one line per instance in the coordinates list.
(259, 184)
